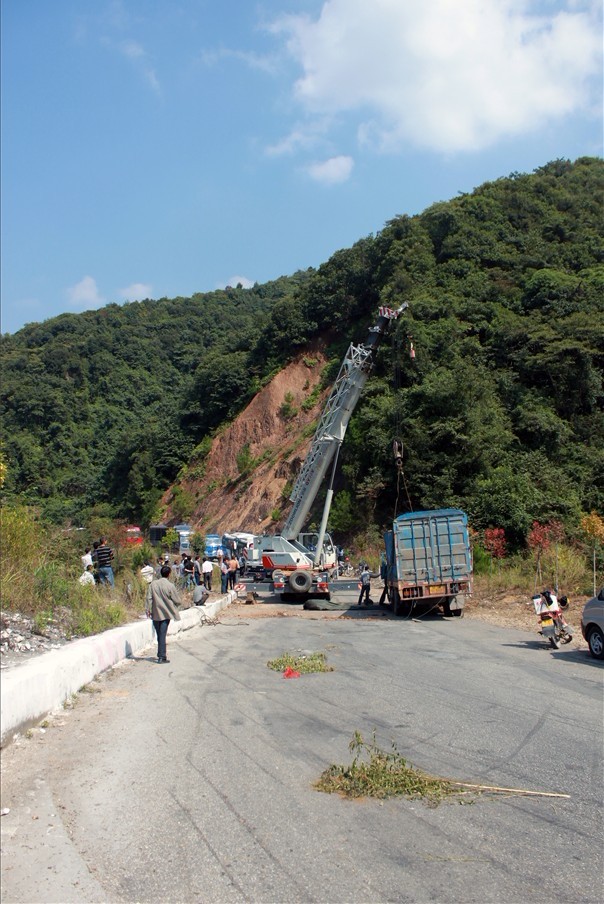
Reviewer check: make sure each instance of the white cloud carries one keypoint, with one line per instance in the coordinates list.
(132, 50)
(137, 55)
(303, 136)
(136, 292)
(85, 294)
(445, 74)
(249, 58)
(332, 171)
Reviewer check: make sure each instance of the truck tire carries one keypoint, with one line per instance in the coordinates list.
(300, 581)
(454, 606)
(401, 607)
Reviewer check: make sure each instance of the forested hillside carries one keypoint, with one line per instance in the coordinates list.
(500, 410)
(101, 409)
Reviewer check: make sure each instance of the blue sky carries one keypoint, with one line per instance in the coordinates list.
(157, 148)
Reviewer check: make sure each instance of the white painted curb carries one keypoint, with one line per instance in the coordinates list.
(35, 688)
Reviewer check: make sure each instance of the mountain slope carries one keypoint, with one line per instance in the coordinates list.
(242, 482)
(501, 410)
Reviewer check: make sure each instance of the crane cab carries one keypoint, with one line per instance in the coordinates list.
(329, 553)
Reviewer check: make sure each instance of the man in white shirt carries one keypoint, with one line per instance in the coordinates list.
(206, 571)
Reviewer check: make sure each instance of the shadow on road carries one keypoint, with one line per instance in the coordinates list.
(582, 656)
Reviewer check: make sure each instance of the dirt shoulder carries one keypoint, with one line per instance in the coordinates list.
(509, 610)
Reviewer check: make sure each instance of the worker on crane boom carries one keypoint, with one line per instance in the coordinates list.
(285, 552)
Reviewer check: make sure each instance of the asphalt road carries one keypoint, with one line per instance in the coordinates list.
(193, 782)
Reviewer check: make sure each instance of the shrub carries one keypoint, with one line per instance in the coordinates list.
(94, 612)
(244, 459)
(482, 560)
(287, 410)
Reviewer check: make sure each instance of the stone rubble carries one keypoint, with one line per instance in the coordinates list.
(21, 638)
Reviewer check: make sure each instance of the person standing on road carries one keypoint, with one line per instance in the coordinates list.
(206, 571)
(384, 577)
(365, 586)
(162, 603)
(188, 569)
(224, 576)
(104, 557)
(197, 574)
(233, 564)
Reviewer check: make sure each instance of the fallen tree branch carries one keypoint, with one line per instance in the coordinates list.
(506, 790)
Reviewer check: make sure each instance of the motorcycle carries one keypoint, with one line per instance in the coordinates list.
(345, 569)
(553, 626)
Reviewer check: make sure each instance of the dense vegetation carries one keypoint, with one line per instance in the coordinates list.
(500, 411)
(101, 409)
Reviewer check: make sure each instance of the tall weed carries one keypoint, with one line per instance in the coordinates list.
(39, 574)
(23, 550)
(94, 612)
(565, 569)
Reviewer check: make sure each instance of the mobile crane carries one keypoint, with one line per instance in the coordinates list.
(294, 567)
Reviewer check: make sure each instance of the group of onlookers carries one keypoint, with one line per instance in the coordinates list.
(190, 571)
(164, 581)
(97, 564)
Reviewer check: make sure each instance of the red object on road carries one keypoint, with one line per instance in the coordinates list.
(290, 673)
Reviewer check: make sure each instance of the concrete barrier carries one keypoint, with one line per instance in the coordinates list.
(39, 686)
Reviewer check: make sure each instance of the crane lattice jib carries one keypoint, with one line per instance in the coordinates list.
(331, 429)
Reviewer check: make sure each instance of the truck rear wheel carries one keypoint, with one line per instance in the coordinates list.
(454, 606)
(402, 607)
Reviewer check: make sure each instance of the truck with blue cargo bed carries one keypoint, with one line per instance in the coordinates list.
(428, 562)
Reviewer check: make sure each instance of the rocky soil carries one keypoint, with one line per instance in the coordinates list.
(21, 638)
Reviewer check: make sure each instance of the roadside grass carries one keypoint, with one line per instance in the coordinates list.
(300, 662)
(39, 578)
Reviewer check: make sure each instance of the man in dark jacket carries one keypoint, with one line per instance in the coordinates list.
(162, 601)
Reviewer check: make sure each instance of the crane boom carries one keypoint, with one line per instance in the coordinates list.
(331, 429)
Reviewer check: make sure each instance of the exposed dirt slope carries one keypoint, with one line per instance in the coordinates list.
(274, 432)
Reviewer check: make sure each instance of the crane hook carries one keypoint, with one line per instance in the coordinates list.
(397, 451)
